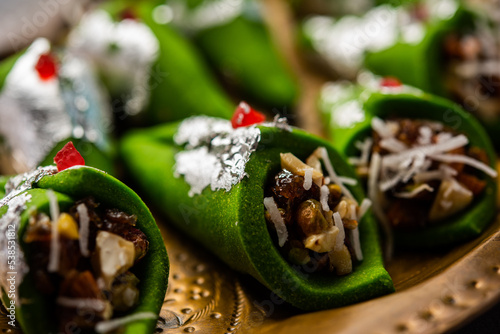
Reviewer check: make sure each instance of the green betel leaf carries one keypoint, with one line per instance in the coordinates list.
(237, 44)
(75, 184)
(232, 224)
(425, 65)
(3, 181)
(404, 102)
(420, 64)
(63, 121)
(242, 51)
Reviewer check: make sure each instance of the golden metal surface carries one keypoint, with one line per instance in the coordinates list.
(203, 295)
(435, 293)
(433, 305)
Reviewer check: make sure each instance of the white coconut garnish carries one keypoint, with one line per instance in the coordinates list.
(308, 173)
(341, 235)
(323, 199)
(83, 230)
(277, 219)
(55, 246)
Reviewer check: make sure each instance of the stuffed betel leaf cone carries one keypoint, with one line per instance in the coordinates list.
(426, 55)
(50, 96)
(444, 191)
(56, 282)
(342, 43)
(152, 71)
(226, 211)
(457, 58)
(237, 43)
(403, 41)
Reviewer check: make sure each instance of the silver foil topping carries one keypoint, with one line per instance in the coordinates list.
(124, 52)
(85, 102)
(32, 115)
(22, 182)
(12, 263)
(12, 270)
(215, 154)
(36, 114)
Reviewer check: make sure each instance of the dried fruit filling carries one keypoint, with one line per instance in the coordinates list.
(315, 218)
(83, 258)
(420, 172)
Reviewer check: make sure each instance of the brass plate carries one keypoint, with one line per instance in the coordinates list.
(435, 293)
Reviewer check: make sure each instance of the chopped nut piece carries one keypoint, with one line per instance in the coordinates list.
(451, 198)
(296, 166)
(113, 255)
(314, 162)
(341, 261)
(324, 242)
(129, 233)
(341, 208)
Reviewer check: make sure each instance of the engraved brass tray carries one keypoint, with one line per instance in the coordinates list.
(434, 293)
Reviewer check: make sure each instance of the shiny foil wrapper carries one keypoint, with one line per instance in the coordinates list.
(12, 270)
(37, 113)
(123, 51)
(215, 154)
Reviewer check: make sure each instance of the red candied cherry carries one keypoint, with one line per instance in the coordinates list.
(128, 14)
(46, 66)
(244, 115)
(68, 157)
(390, 82)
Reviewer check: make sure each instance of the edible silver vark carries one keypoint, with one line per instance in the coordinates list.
(124, 51)
(36, 114)
(215, 154)
(16, 201)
